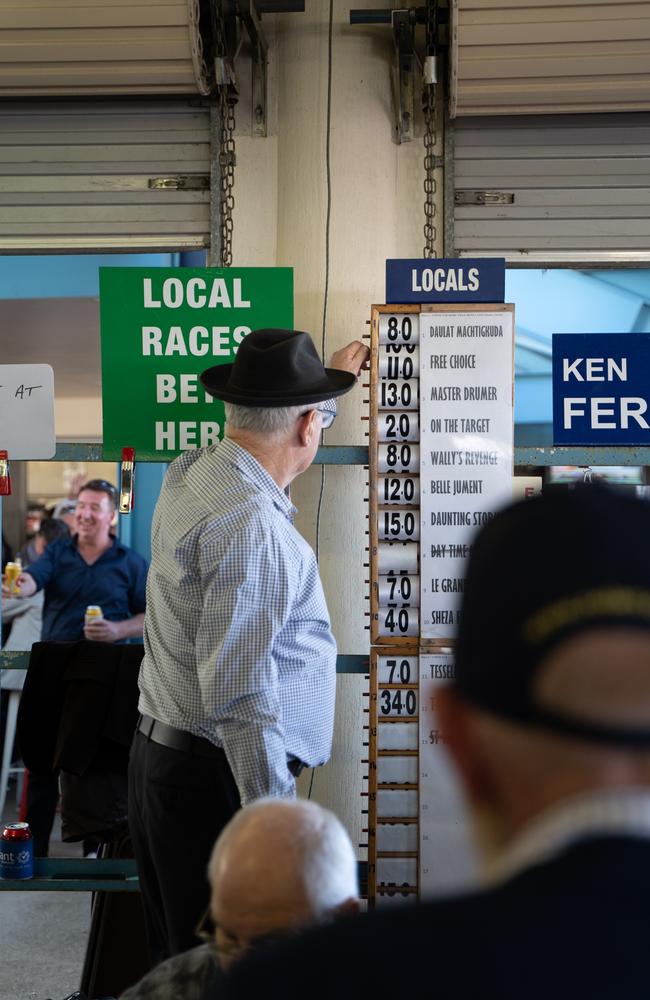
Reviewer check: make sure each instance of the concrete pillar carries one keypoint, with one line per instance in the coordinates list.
(376, 212)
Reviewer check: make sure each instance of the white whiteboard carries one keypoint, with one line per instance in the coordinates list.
(27, 411)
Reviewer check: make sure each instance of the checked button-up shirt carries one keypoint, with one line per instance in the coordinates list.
(238, 645)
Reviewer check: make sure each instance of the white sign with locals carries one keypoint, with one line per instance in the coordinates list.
(466, 448)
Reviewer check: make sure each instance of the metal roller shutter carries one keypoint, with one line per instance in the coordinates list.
(570, 188)
(82, 47)
(536, 56)
(99, 175)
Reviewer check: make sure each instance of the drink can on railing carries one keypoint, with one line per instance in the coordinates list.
(16, 851)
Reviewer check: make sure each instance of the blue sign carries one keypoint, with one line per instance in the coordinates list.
(601, 388)
(454, 279)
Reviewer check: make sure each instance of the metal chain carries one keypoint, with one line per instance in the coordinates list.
(227, 158)
(429, 109)
(227, 175)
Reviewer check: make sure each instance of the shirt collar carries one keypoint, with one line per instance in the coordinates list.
(617, 812)
(116, 546)
(258, 475)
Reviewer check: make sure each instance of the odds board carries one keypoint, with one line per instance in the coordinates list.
(440, 465)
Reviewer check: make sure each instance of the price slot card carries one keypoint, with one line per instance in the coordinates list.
(404, 490)
(394, 457)
(397, 669)
(397, 703)
(397, 736)
(399, 394)
(398, 525)
(397, 771)
(393, 557)
(397, 804)
(393, 772)
(397, 623)
(397, 838)
(398, 425)
(398, 591)
(395, 521)
(399, 326)
(397, 871)
(399, 361)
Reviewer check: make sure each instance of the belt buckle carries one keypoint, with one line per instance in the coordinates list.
(146, 725)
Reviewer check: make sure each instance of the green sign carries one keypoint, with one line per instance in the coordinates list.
(160, 328)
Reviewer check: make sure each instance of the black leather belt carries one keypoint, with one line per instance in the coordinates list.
(177, 739)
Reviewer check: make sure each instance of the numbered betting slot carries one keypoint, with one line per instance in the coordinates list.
(398, 425)
(398, 457)
(397, 557)
(403, 490)
(399, 394)
(397, 770)
(397, 703)
(393, 776)
(397, 736)
(399, 328)
(398, 622)
(397, 872)
(399, 361)
(397, 670)
(398, 590)
(398, 525)
(397, 838)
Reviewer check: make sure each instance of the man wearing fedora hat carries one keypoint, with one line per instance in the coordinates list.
(237, 681)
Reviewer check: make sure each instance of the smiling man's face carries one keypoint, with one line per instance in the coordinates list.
(93, 516)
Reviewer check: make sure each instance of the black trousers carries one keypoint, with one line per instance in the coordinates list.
(42, 797)
(178, 805)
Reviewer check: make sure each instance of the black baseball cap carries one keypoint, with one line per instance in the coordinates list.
(541, 571)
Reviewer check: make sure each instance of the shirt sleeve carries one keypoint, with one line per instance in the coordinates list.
(44, 568)
(247, 600)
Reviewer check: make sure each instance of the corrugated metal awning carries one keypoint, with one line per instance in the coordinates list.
(552, 188)
(534, 56)
(78, 47)
(104, 175)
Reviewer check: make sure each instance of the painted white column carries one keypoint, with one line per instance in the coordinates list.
(376, 212)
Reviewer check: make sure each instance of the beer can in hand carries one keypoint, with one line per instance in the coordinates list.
(16, 851)
(12, 572)
(93, 614)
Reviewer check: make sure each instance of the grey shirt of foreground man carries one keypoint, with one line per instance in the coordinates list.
(237, 681)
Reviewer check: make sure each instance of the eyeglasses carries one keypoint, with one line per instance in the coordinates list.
(326, 416)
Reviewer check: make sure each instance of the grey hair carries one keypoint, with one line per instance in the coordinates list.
(317, 845)
(263, 420)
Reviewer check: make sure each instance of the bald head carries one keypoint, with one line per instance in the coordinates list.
(278, 866)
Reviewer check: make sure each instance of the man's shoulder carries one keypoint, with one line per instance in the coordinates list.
(186, 975)
(485, 943)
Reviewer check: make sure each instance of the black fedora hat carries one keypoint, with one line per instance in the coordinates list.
(276, 368)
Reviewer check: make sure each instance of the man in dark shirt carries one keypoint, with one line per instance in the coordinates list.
(92, 567)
